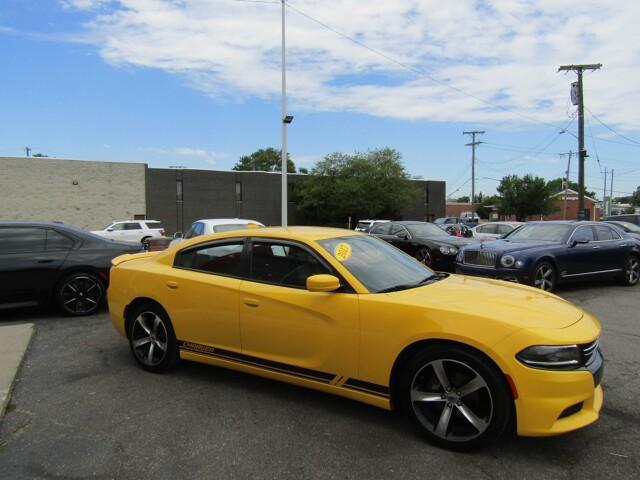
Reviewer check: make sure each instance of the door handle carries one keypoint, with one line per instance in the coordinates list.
(173, 285)
(596, 247)
(251, 302)
(44, 260)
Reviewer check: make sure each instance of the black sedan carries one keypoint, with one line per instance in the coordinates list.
(544, 254)
(425, 241)
(42, 263)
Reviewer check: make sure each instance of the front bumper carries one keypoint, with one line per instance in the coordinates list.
(507, 274)
(551, 402)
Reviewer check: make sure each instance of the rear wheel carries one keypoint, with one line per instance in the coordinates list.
(80, 294)
(456, 397)
(631, 271)
(151, 338)
(544, 276)
(424, 255)
(145, 243)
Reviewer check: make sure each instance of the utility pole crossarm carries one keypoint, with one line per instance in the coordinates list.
(588, 66)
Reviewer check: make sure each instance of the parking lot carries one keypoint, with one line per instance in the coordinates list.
(82, 408)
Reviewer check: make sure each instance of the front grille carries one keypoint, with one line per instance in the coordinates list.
(480, 258)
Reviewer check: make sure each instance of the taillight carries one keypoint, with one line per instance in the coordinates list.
(162, 232)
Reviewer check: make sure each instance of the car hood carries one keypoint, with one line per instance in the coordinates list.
(517, 305)
(450, 240)
(506, 245)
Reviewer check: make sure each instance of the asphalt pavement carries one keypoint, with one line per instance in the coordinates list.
(81, 408)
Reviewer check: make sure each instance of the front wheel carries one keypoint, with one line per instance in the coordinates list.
(151, 338)
(631, 271)
(456, 397)
(544, 276)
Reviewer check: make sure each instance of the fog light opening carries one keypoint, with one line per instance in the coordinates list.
(573, 409)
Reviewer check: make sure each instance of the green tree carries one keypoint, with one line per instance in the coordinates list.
(264, 160)
(556, 186)
(372, 184)
(631, 210)
(485, 210)
(525, 196)
(463, 199)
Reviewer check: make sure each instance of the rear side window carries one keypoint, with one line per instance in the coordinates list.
(491, 228)
(154, 225)
(22, 240)
(132, 226)
(229, 226)
(57, 241)
(284, 264)
(606, 233)
(221, 258)
(503, 229)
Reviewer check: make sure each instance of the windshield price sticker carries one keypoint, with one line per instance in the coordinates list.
(342, 251)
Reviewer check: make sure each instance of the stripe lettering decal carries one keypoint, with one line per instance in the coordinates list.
(367, 387)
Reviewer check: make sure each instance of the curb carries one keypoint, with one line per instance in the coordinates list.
(14, 341)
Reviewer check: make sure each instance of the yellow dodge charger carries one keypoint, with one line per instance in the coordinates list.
(348, 314)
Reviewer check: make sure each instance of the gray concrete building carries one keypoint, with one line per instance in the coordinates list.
(86, 194)
(91, 194)
(178, 197)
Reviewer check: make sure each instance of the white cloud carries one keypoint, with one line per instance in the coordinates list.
(507, 51)
(207, 156)
(83, 4)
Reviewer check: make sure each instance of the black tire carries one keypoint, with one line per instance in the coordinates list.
(80, 293)
(441, 414)
(424, 255)
(145, 243)
(544, 276)
(151, 338)
(630, 271)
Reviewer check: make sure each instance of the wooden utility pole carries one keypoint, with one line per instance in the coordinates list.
(582, 153)
(604, 213)
(566, 183)
(473, 168)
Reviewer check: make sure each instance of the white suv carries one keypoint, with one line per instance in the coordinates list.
(132, 230)
(214, 225)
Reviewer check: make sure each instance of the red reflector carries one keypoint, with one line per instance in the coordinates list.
(512, 385)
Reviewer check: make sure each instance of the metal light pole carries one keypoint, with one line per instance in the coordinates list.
(284, 126)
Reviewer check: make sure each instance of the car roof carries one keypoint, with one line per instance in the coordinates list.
(226, 221)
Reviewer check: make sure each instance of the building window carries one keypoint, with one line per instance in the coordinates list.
(179, 196)
(238, 191)
(426, 195)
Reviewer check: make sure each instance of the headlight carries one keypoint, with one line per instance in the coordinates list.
(448, 250)
(507, 261)
(564, 357)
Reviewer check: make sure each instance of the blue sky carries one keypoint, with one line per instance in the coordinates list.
(196, 83)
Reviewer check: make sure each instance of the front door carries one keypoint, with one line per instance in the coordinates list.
(581, 258)
(289, 329)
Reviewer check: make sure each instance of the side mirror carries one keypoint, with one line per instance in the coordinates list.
(577, 242)
(323, 283)
(109, 229)
(177, 235)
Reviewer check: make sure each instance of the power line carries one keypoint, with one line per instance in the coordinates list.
(458, 189)
(418, 72)
(611, 129)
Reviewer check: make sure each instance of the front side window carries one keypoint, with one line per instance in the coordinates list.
(220, 258)
(284, 264)
(117, 227)
(423, 230)
(503, 229)
(229, 227)
(22, 240)
(486, 229)
(398, 230)
(381, 229)
(376, 264)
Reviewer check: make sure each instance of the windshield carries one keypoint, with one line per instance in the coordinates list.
(549, 232)
(376, 264)
(426, 230)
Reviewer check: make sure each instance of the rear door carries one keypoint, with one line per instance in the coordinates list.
(202, 293)
(285, 327)
(27, 269)
(613, 249)
(132, 232)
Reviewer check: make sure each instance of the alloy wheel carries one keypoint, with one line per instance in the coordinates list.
(544, 277)
(149, 338)
(632, 270)
(81, 294)
(451, 400)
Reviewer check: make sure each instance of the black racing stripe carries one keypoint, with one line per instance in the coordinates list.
(256, 361)
(367, 387)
